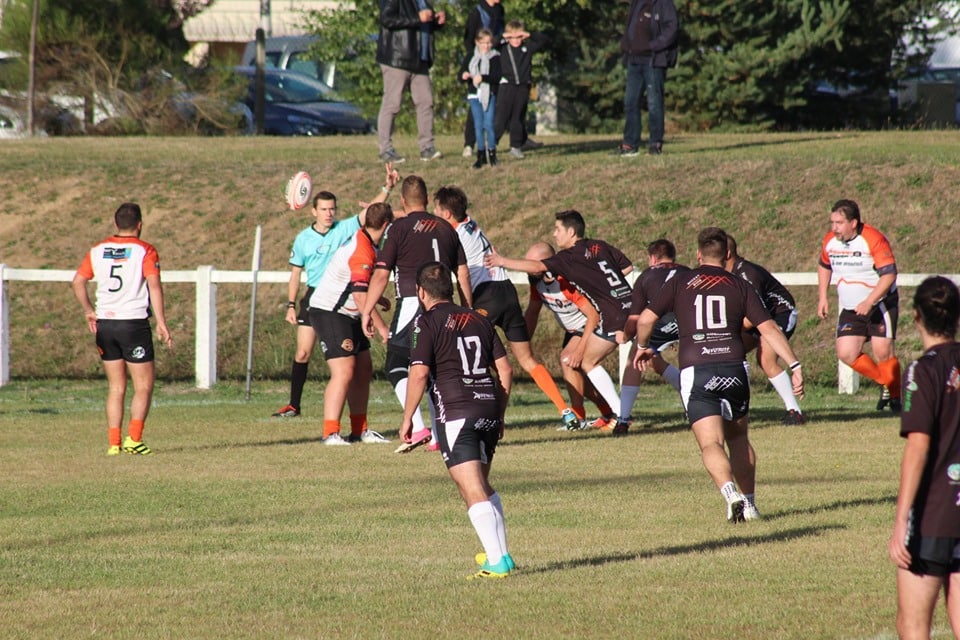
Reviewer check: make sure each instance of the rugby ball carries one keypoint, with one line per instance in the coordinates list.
(298, 191)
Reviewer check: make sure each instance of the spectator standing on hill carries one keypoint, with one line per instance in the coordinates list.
(405, 54)
(487, 14)
(925, 543)
(312, 249)
(712, 308)
(481, 72)
(514, 95)
(781, 306)
(649, 47)
(859, 257)
(127, 272)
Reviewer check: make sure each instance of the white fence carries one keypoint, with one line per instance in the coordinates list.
(206, 279)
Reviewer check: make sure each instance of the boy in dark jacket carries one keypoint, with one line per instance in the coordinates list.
(516, 60)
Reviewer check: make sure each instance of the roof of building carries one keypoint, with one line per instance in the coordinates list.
(238, 20)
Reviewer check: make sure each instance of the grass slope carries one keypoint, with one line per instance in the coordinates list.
(204, 197)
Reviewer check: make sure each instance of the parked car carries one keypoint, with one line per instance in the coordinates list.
(298, 105)
(291, 53)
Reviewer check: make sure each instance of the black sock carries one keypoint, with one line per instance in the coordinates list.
(298, 377)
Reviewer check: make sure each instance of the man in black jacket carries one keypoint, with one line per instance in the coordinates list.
(405, 55)
(649, 46)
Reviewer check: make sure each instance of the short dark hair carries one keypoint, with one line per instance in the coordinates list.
(127, 216)
(435, 279)
(937, 302)
(378, 214)
(849, 209)
(571, 219)
(661, 249)
(732, 245)
(323, 195)
(712, 243)
(414, 190)
(454, 200)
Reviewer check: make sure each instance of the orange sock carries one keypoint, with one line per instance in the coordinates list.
(891, 367)
(545, 381)
(579, 411)
(113, 436)
(330, 427)
(358, 423)
(864, 365)
(135, 429)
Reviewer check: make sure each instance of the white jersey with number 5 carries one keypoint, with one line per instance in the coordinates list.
(120, 266)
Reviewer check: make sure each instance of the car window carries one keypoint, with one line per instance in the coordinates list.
(297, 88)
(301, 63)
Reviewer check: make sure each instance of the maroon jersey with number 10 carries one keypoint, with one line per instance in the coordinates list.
(710, 305)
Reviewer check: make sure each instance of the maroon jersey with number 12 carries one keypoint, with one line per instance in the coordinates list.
(459, 346)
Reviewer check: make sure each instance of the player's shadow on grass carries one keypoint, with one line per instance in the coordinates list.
(833, 506)
(253, 443)
(686, 549)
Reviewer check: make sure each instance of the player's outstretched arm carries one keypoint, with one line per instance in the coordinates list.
(533, 267)
(772, 333)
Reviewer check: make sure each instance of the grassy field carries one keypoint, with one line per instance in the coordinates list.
(242, 526)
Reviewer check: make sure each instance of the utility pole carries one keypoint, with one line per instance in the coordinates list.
(32, 72)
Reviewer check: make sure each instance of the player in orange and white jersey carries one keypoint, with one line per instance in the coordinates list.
(859, 258)
(335, 317)
(127, 272)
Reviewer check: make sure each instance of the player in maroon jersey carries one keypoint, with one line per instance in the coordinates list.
(712, 308)
(597, 269)
(452, 351)
(414, 238)
(925, 543)
(782, 307)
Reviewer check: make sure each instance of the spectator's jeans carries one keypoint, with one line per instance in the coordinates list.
(642, 77)
(483, 122)
(421, 91)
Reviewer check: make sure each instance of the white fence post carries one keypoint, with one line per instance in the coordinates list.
(4, 330)
(206, 336)
(848, 380)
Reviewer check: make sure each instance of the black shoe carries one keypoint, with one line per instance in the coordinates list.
(884, 399)
(794, 417)
(481, 158)
(655, 149)
(530, 145)
(492, 157)
(621, 428)
(625, 151)
(895, 406)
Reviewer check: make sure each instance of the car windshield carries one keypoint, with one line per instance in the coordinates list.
(296, 88)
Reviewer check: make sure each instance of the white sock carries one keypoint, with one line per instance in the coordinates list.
(784, 386)
(748, 498)
(729, 491)
(628, 396)
(501, 522)
(401, 390)
(604, 386)
(433, 417)
(484, 519)
(672, 375)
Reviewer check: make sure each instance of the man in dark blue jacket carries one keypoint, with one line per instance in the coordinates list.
(405, 55)
(649, 47)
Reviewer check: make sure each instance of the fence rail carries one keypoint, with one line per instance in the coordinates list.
(206, 278)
